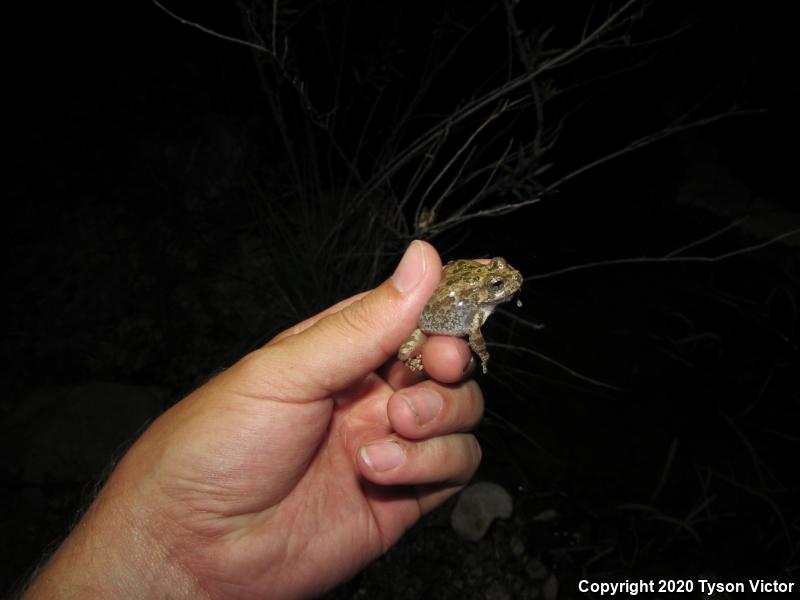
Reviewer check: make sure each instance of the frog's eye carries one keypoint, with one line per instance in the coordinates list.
(496, 284)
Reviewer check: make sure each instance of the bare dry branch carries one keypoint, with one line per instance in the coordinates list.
(666, 259)
(211, 32)
(557, 364)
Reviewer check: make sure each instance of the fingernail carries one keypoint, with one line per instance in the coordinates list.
(470, 363)
(424, 403)
(382, 456)
(411, 268)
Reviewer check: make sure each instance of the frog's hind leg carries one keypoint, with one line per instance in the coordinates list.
(411, 351)
(476, 341)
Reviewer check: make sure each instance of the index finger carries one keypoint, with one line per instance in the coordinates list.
(447, 359)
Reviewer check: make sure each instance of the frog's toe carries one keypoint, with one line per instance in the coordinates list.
(414, 363)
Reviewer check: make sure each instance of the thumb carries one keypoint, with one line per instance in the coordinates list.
(342, 347)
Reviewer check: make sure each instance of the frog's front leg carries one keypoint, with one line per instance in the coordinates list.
(476, 341)
(410, 351)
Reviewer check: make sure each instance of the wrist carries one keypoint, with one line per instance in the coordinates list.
(119, 549)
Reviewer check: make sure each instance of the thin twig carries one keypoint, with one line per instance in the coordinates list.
(211, 32)
(707, 238)
(662, 479)
(648, 140)
(665, 259)
(555, 363)
(480, 194)
(575, 51)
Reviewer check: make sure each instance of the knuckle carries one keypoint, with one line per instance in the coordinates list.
(356, 321)
(476, 398)
(467, 405)
(477, 451)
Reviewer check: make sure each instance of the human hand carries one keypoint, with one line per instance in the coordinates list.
(290, 471)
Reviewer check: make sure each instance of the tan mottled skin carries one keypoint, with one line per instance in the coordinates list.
(467, 294)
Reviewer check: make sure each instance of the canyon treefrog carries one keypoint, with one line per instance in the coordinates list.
(467, 294)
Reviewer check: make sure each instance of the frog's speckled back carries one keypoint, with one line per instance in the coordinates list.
(468, 286)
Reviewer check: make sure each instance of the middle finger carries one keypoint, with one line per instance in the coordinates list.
(429, 409)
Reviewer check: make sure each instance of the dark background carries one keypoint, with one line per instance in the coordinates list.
(649, 430)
